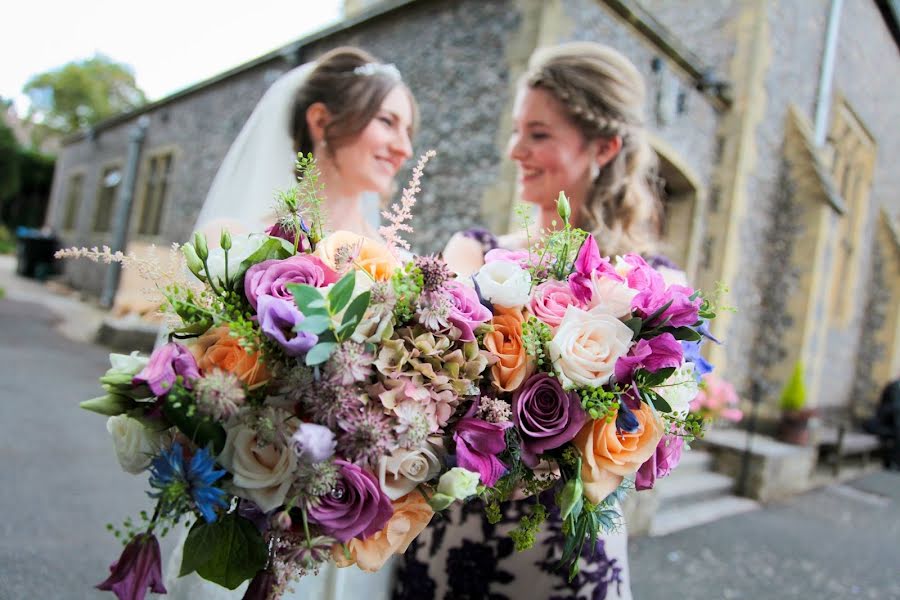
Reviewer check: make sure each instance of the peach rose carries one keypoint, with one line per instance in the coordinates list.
(608, 455)
(370, 255)
(411, 516)
(218, 349)
(505, 342)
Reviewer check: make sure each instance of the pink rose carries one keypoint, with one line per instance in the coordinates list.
(466, 311)
(550, 301)
(271, 277)
(519, 257)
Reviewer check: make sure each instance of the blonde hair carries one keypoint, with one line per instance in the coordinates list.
(603, 94)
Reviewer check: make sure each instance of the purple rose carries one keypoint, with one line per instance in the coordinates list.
(466, 311)
(477, 445)
(660, 352)
(653, 294)
(166, 363)
(355, 508)
(313, 443)
(277, 319)
(587, 263)
(546, 415)
(666, 458)
(270, 277)
(138, 568)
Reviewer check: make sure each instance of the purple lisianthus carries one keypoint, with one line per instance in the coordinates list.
(138, 568)
(660, 352)
(477, 445)
(588, 263)
(661, 463)
(166, 363)
(466, 310)
(271, 277)
(277, 319)
(280, 231)
(520, 257)
(355, 508)
(546, 415)
(313, 443)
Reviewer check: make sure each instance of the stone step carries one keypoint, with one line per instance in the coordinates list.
(683, 488)
(670, 520)
(693, 461)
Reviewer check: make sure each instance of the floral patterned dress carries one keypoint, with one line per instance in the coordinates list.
(462, 556)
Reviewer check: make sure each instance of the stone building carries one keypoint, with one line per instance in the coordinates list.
(776, 136)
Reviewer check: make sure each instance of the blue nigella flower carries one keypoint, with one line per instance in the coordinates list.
(625, 419)
(177, 482)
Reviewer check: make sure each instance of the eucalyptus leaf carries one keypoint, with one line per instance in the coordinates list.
(308, 299)
(314, 324)
(357, 309)
(341, 293)
(320, 353)
(227, 552)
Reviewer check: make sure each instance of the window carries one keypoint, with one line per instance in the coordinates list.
(852, 165)
(107, 190)
(73, 202)
(156, 184)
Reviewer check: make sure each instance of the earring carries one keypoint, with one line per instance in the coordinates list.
(595, 171)
(324, 143)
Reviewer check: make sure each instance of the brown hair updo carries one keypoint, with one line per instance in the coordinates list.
(352, 98)
(603, 95)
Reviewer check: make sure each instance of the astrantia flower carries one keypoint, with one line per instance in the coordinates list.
(219, 394)
(367, 433)
(433, 310)
(434, 272)
(138, 568)
(177, 483)
(494, 410)
(316, 479)
(349, 364)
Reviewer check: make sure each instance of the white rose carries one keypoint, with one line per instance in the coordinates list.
(458, 483)
(401, 471)
(242, 246)
(611, 297)
(587, 345)
(680, 389)
(135, 444)
(262, 474)
(504, 283)
(673, 276)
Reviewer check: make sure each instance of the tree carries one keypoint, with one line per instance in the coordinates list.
(81, 93)
(10, 164)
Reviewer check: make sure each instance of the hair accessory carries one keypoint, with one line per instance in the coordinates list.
(370, 69)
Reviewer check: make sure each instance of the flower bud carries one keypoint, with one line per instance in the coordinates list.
(563, 208)
(200, 246)
(225, 240)
(458, 483)
(283, 521)
(193, 261)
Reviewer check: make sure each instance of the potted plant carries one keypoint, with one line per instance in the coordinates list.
(795, 417)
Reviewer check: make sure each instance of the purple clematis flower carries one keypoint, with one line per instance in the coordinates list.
(657, 353)
(588, 263)
(477, 445)
(138, 568)
(277, 319)
(166, 363)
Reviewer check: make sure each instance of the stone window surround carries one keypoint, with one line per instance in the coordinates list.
(67, 199)
(141, 190)
(104, 170)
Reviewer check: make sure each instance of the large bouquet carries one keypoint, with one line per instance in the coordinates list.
(322, 396)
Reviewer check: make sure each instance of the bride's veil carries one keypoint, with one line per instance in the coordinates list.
(260, 162)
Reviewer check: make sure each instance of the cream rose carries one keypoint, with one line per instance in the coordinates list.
(262, 474)
(504, 283)
(135, 444)
(611, 297)
(400, 472)
(587, 345)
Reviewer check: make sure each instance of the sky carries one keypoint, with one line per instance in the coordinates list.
(169, 44)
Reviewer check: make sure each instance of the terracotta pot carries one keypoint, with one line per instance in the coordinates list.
(794, 426)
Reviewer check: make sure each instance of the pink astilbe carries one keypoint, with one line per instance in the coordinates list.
(400, 213)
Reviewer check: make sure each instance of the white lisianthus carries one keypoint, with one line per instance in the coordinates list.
(242, 247)
(586, 346)
(611, 297)
(262, 473)
(131, 364)
(680, 389)
(135, 444)
(401, 471)
(504, 283)
(458, 483)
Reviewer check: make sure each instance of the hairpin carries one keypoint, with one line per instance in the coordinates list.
(369, 69)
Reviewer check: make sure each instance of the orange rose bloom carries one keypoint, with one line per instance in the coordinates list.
(371, 256)
(505, 342)
(217, 349)
(607, 455)
(411, 515)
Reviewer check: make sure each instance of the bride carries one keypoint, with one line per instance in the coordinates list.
(356, 116)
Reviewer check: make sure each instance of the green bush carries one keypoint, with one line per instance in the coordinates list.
(793, 397)
(7, 241)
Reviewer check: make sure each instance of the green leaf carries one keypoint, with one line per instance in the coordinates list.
(196, 427)
(439, 502)
(341, 293)
(320, 353)
(659, 311)
(109, 405)
(635, 324)
(308, 299)
(272, 248)
(227, 552)
(314, 324)
(356, 310)
(657, 401)
(345, 327)
(658, 377)
(684, 333)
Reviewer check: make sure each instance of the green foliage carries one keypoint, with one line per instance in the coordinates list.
(523, 536)
(227, 552)
(306, 198)
(599, 403)
(408, 284)
(181, 410)
(793, 397)
(536, 335)
(82, 93)
(7, 242)
(10, 164)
